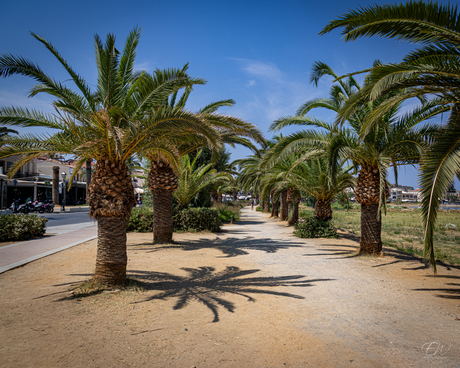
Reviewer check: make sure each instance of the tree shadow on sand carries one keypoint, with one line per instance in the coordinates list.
(207, 286)
(230, 247)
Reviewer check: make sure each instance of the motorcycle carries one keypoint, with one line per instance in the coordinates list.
(22, 208)
(49, 206)
(38, 207)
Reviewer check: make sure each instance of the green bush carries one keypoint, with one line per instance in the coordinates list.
(311, 227)
(16, 227)
(258, 208)
(141, 220)
(227, 210)
(197, 219)
(193, 219)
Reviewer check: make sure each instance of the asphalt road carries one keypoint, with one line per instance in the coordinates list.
(61, 223)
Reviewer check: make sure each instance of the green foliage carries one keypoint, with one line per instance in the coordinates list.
(311, 227)
(21, 227)
(194, 219)
(141, 220)
(147, 197)
(227, 210)
(258, 208)
(197, 219)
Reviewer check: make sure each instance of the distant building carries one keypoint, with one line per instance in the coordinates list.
(34, 181)
(405, 194)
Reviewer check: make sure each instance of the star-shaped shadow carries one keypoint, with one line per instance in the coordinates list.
(208, 286)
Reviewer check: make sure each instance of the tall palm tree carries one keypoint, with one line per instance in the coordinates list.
(391, 142)
(109, 124)
(432, 70)
(163, 177)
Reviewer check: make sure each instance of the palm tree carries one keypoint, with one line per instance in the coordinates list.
(110, 124)
(433, 70)
(163, 178)
(391, 142)
(192, 180)
(314, 178)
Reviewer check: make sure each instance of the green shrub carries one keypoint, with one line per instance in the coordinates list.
(197, 219)
(311, 227)
(16, 227)
(258, 208)
(141, 220)
(193, 219)
(227, 210)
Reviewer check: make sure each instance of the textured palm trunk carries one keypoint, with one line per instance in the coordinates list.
(371, 228)
(323, 210)
(267, 205)
(111, 198)
(234, 196)
(284, 210)
(55, 184)
(275, 205)
(163, 216)
(367, 193)
(289, 197)
(295, 212)
(111, 259)
(162, 182)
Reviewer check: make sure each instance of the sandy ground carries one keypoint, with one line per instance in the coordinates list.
(251, 296)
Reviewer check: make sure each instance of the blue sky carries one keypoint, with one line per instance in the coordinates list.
(258, 53)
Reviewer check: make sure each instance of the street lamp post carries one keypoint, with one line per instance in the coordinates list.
(64, 175)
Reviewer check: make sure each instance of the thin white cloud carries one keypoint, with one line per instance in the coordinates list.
(274, 93)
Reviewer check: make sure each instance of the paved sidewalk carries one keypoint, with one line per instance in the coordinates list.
(19, 254)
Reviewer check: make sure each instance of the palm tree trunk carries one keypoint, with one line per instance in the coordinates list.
(371, 228)
(162, 182)
(323, 210)
(111, 259)
(367, 193)
(267, 205)
(289, 197)
(284, 211)
(55, 184)
(295, 212)
(162, 216)
(111, 199)
(275, 208)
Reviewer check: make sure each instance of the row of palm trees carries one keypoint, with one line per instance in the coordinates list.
(129, 114)
(370, 134)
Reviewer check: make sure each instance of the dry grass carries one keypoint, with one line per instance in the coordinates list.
(402, 229)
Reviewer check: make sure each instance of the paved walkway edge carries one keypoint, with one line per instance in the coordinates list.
(38, 256)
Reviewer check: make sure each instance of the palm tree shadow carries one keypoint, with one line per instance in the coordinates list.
(206, 286)
(232, 247)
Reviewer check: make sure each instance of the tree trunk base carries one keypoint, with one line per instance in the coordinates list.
(111, 259)
(371, 228)
(162, 216)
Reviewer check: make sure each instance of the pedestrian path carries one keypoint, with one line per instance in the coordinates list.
(18, 254)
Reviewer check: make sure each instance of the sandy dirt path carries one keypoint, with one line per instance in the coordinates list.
(251, 296)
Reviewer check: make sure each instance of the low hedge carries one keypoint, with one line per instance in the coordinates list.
(311, 227)
(197, 219)
(17, 227)
(141, 220)
(194, 219)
